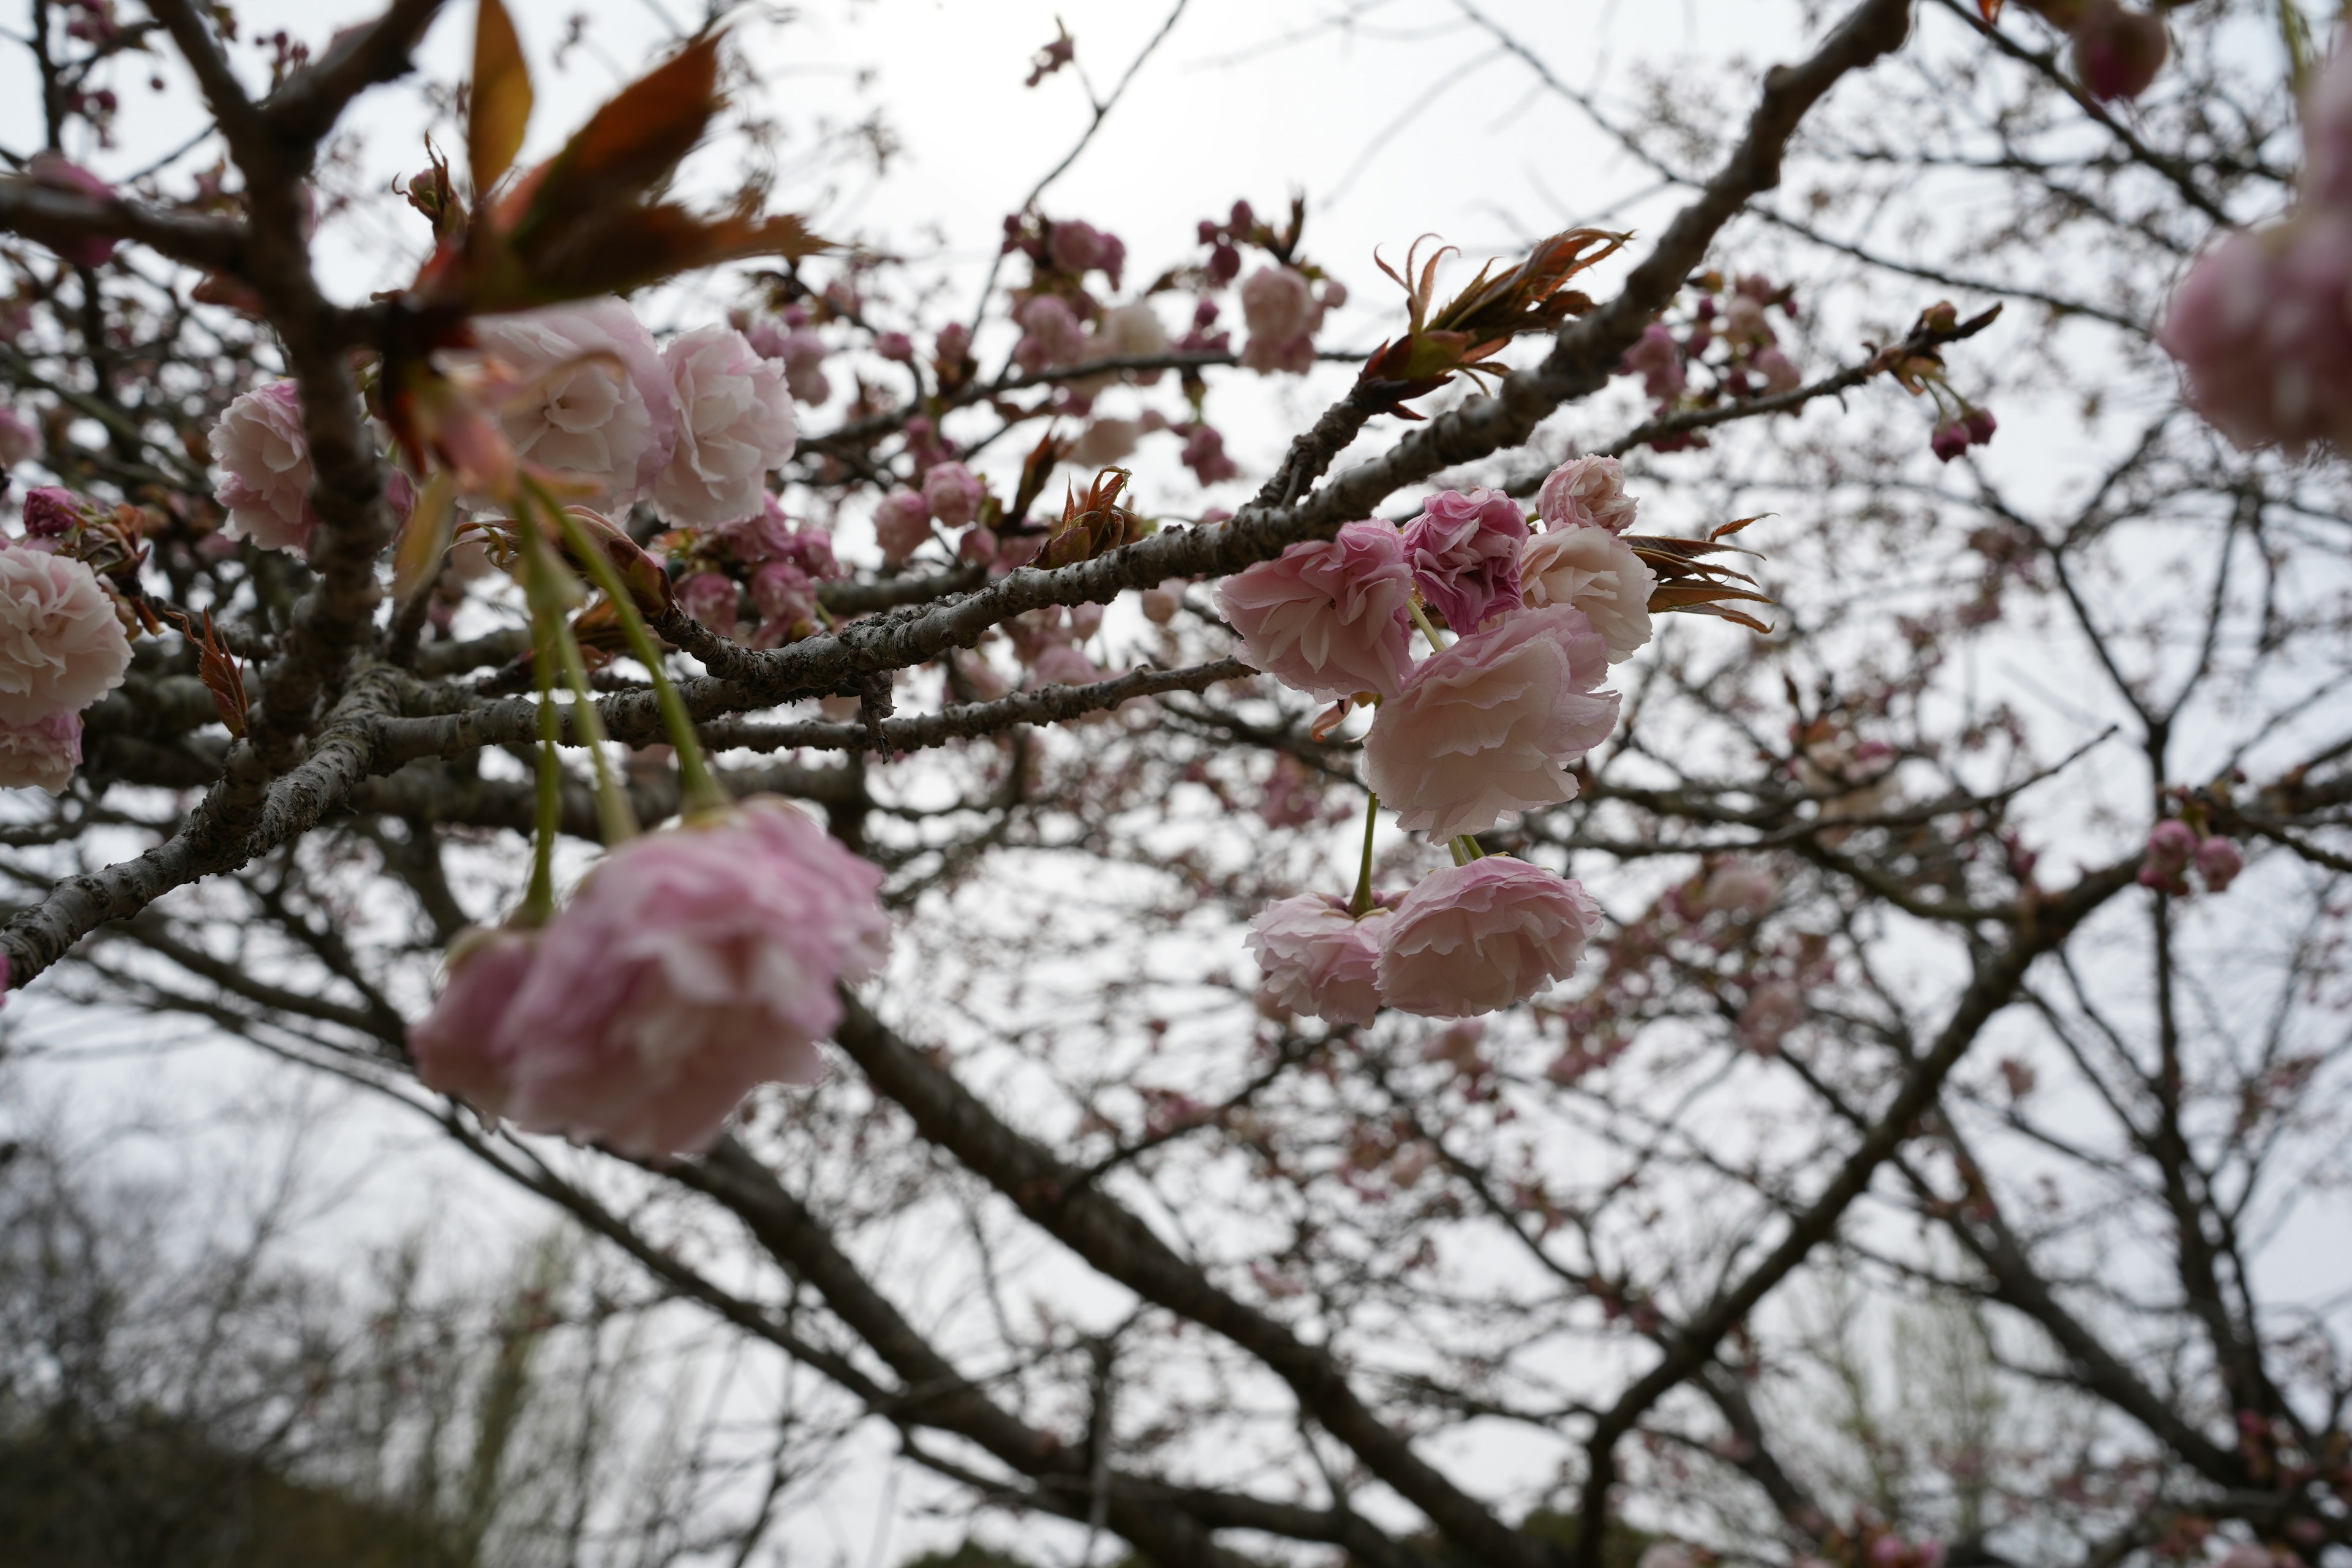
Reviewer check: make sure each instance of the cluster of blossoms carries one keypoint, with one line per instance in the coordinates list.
(1726, 337)
(691, 966)
(1488, 725)
(586, 397)
(2118, 50)
(2262, 323)
(64, 630)
(2174, 845)
(777, 563)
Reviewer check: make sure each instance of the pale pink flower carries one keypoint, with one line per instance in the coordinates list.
(1330, 617)
(459, 1046)
(1162, 603)
(1063, 664)
(1587, 492)
(1774, 1009)
(735, 423)
(954, 493)
(2262, 327)
(803, 354)
(1779, 372)
(1657, 359)
(2171, 846)
(901, 523)
(1492, 725)
(2218, 861)
(1741, 887)
(712, 598)
(1471, 939)
(265, 458)
(1594, 571)
(691, 965)
(61, 645)
(784, 593)
(1318, 958)
(43, 754)
(592, 401)
(1050, 334)
(1104, 442)
(1283, 316)
(1132, 331)
(20, 439)
(1465, 553)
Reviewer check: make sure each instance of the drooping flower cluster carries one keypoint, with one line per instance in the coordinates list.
(1488, 724)
(583, 395)
(779, 563)
(2261, 325)
(1724, 349)
(691, 966)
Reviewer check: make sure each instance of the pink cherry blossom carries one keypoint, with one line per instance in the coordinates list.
(593, 402)
(2218, 861)
(1657, 359)
(43, 754)
(902, 522)
(784, 593)
(1318, 958)
(1471, 939)
(1063, 665)
(1774, 1009)
(2263, 330)
(1465, 553)
(2171, 847)
(52, 512)
(1050, 334)
(460, 1047)
(1330, 617)
(61, 645)
(691, 965)
(1280, 310)
(954, 493)
(20, 439)
(1587, 492)
(1132, 331)
(1594, 571)
(735, 424)
(2117, 52)
(1741, 887)
(713, 599)
(1492, 725)
(803, 354)
(265, 456)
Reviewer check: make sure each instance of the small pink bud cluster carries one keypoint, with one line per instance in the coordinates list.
(1727, 337)
(1048, 643)
(780, 563)
(2174, 846)
(1973, 427)
(691, 966)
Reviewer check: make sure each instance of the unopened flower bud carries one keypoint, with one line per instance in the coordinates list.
(954, 493)
(896, 346)
(2117, 53)
(2218, 861)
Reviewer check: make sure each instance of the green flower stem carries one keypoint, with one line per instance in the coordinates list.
(1361, 904)
(539, 903)
(1465, 849)
(1461, 856)
(1428, 628)
(548, 593)
(698, 790)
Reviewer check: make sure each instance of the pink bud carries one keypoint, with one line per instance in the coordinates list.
(895, 346)
(2117, 52)
(20, 442)
(51, 512)
(1949, 440)
(2218, 861)
(1160, 604)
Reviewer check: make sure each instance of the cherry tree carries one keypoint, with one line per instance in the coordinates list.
(1672, 941)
